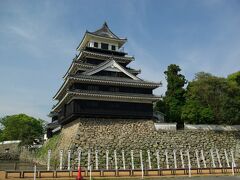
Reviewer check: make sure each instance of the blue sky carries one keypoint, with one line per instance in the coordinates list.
(38, 40)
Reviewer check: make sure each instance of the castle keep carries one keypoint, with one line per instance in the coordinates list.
(100, 84)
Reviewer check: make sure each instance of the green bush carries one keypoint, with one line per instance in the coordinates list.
(51, 144)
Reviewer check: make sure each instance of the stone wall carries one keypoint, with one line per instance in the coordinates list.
(65, 140)
(9, 151)
(127, 135)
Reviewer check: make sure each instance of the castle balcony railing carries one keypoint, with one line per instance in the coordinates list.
(105, 51)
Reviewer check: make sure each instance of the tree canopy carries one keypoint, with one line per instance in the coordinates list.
(212, 100)
(234, 78)
(208, 99)
(174, 99)
(21, 127)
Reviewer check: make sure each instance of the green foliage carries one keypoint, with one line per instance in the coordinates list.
(212, 100)
(207, 100)
(160, 106)
(21, 127)
(174, 98)
(51, 144)
(234, 78)
(1, 138)
(194, 113)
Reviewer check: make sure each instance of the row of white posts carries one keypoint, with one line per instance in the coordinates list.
(198, 158)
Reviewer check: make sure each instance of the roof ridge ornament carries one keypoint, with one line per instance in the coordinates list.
(105, 31)
(105, 24)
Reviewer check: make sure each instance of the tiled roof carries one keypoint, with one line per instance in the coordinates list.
(115, 80)
(111, 96)
(106, 80)
(86, 66)
(89, 66)
(53, 124)
(115, 93)
(105, 32)
(106, 56)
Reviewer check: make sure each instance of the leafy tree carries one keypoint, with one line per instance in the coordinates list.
(21, 127)
(195, 113)
(211, 100)
(234, 78)
(232, 102)
(1, 135)
(174, 97)
(160, 106)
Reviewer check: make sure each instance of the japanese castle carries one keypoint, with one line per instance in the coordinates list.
(99, 83)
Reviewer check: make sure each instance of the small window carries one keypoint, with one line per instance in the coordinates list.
(95, 44)
(113, 47)
(104, 46)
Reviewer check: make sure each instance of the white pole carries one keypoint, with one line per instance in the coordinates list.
(96, 159)
(181, 154)
(149, 160)
(158, 159)
(132, 158)
(203, 158)
(48, 160)
(218, 157)
(115, 158)
(79, 158)
(196, 153)
(233, 160)
(175, 158)
(69, 160)
(233, 168)
(189, 164)
(89, 159)
(141, 160)
(35, 171)
(213, 161)
(61, 160)
(226, 156)
(166, 154)
(107, 152)
(90, 172)
(123, 160)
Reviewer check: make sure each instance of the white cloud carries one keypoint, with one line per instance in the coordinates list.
(21, 32)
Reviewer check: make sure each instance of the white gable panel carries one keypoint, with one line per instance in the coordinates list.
(113, 69)
(111, 66)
